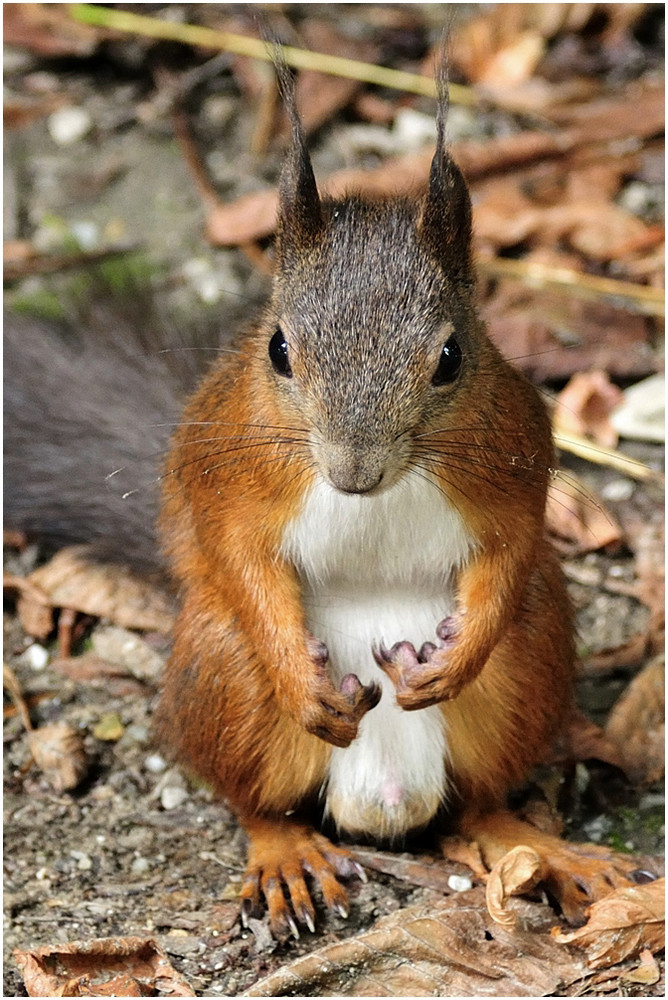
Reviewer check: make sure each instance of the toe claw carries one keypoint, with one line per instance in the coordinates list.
(641, 876)
(290, 920)
(341, 910)
(359, 871)
(245, 912)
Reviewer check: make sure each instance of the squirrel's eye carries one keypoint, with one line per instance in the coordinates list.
(278, 352)
(449, 363)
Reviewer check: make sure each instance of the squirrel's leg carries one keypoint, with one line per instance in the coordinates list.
(490, 592)
(507, 721)
(218, 715)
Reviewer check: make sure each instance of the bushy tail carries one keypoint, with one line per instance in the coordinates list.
(83, 400)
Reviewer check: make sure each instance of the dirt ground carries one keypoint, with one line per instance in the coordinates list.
(137, 849)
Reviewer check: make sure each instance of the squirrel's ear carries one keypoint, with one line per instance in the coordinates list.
(445, 220)
(299, 211)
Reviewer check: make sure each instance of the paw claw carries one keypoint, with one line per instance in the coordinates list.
(293, 926)
(427, 650)
(341, 910)
(446, 630)
(359, 871)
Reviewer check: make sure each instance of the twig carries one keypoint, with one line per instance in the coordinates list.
(14, 270)
(11, 685)
(243, 45)
(637, 298)
(610, 457)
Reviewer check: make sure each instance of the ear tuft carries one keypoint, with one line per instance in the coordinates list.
(445, 222)
(299, 213)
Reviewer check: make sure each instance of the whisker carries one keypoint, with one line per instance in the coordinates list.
(215, 350)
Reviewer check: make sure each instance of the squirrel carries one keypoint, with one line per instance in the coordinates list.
(374, 631)
(373, 623)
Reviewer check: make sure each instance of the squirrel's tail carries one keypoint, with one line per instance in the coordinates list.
(88, 410)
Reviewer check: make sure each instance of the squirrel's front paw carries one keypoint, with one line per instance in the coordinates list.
(426, 677)
(333, 715)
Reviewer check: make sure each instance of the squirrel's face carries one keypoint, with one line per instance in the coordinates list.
(371, 343)
(373, 337)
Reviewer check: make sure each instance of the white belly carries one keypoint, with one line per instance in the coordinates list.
(378, 569)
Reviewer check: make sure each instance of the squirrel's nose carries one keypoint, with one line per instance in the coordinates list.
(354, 485)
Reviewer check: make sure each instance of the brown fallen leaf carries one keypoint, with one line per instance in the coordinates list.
(584, 740)
(72, 580)
(58, 750)
(49, 30)
(485, 43)
(584, 407)
(647, 973)
(33, 605)
(425, 870)
(534, 326)
(621, 926)
(637, 724)
(576, 520)
(442, 947)
(319, 97)
(130, 966)
(90, 668)
(253, 216)
(515, 873)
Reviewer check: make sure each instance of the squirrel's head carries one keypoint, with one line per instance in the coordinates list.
(374, 333)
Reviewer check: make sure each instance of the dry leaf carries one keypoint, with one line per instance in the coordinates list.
(33, 605)
(578, 521)
(444, 947)
(49, 30)
(58, 750)
(621, 925)
(584, 740)
(641, 415)
(318, 96)
(130, 966)
(584, 407)
(483, 47)
(647, 973)
(637, 724)
(425, 870)
(71, 580)
(516, 872)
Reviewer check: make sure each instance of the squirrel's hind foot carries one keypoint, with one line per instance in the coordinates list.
(281, 854)
(574, 875)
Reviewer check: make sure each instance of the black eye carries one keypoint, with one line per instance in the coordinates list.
(278, 352)
(449, 363)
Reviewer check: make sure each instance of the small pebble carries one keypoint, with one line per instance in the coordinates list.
(68, 125)
(84, 863)
(618, 489)
(155, 763)
(460, 883)
(36, 656)
(172, 797)
(87, 234)
(140, 866)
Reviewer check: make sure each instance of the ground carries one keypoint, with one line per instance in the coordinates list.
(137, 848)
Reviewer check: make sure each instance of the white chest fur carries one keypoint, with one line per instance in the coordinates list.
(379, 569)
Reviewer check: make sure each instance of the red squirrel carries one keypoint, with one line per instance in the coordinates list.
(373, 625)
